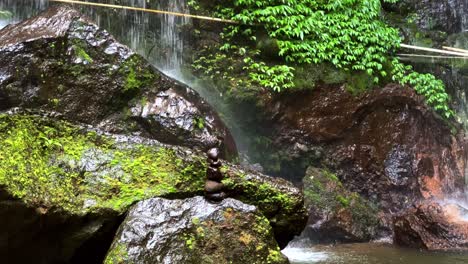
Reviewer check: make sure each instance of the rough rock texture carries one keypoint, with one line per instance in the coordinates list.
(434, 226)
(448, 16)
(194, 231)
(64, 187)
(336, 214)
(62, 62)
(385, 145)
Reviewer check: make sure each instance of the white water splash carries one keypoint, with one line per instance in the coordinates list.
(304, 255)
(301, 251)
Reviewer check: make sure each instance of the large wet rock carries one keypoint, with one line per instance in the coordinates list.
(433, 225)
(64, 188)
(386, 144)
(336, 214)
(61, 61)
(194, 231)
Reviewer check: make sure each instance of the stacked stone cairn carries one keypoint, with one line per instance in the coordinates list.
(213, 186)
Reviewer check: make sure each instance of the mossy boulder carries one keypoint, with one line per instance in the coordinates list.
(336, 214)
(73, 183)
(194, 231)
(69, 65)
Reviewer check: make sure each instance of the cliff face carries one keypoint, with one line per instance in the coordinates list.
(385, 145)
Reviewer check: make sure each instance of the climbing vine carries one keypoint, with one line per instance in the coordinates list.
(348, 34)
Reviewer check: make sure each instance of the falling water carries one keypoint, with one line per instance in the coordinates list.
(164, 41)
(161, 39)
(21, 9)
(172, 36)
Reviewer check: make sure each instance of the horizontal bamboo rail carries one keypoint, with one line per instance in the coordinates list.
(456, 49)
(434, 50)
(147, 10)
(432, 56)
(447, 51)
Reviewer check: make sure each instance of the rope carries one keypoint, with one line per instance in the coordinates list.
(148, 10)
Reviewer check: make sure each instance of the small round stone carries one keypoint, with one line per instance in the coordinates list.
(213, 154)
(213, 187)
(215, 164)
(216, 197)
(214, 174)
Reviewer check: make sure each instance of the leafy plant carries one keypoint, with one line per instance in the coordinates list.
(347, 34)
(427, 85)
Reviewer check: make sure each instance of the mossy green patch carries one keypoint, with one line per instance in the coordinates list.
(81, 53)
(267, 196)
(118, 255)
(54, 164)
(238, 238)
(137, 76)
(324, 193)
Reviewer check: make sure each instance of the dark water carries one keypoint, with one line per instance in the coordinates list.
(371, 253)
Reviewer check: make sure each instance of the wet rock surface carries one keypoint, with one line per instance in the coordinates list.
(433, 225)
(336, 214)
(194, 231)
(385, 145)
(448, 16)
(60, 61)
(85, 179)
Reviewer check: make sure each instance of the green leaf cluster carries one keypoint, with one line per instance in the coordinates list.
(348, 34)
(427, 85)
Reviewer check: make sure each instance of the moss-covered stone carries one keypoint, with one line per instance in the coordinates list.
(55, 164)
(344, 216)
(58, 166)
(195, 231)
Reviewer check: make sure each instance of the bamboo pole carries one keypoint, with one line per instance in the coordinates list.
(432, 56)
(456, 49)
(434, 50)
(147, 10)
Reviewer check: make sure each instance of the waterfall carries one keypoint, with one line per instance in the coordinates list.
(172, 36)
(21, 9)
(159, 38)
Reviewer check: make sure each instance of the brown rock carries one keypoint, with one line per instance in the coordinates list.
(385, 144)
(214, 174)
(432, 226)
(213, 187)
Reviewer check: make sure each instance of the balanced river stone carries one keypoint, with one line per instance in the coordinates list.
(213, 186)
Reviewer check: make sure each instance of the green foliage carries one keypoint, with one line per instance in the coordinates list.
(425, 84)
(348, 34)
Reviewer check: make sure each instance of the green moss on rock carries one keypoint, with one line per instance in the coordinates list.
(136, 75)
(342, 212)
(54, 164)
